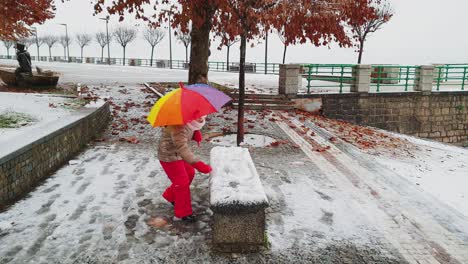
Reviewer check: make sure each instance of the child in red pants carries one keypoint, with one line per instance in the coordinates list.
(179, 163)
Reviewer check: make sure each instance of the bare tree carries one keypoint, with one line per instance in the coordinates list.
(124, 35)
(229, 43)
(185, 38)
(8, 44)
(383, 12)
(38, 41)
(153, 36)
(83, 40)
(50, 40)
(28, 41)
(64, 42)
(282, 37)
(101, 39)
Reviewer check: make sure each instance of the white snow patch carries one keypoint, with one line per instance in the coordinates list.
(74, 162)
(5, 225)
(234, 179)
(95, 104)
(252, 140)
(437, 168)
(42, 108)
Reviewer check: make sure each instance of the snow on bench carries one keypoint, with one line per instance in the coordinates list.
(238, 201)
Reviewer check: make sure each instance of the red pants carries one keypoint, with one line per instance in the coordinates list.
(181, 175)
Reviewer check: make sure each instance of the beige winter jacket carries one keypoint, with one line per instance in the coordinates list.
(174, 146)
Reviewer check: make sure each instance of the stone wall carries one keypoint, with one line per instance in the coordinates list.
(442, 116)
(27, 167)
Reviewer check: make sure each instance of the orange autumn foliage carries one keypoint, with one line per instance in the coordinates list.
(16, 16)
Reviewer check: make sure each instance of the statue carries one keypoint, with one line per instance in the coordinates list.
(24, 60)
(23, 75)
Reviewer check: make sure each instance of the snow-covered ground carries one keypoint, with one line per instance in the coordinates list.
(331, 200)
(44, 109)
(439, 169)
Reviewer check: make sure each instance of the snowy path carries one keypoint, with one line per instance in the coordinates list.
(420, 227)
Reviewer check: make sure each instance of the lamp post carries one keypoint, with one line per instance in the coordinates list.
(66, 36)
(170, 42)
(37, 43)
(108, 43)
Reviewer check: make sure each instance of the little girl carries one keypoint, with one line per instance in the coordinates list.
(178, 161)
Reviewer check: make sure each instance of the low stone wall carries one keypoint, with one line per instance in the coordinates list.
(25, 168)
(442, 116)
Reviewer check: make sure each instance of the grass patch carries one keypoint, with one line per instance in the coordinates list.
(74, 103)
(14, 120)
(266, 241)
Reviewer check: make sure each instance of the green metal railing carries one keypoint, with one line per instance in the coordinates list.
(328, 75)
(271, 68)
(451, 76)
(339, 76)
(386, 76)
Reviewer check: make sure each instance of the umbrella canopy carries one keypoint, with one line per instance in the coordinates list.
(185, 104)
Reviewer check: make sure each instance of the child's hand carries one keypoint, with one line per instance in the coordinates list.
(197, 136)
(202, 167)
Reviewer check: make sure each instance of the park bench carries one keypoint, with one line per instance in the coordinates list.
(238, 201)
(249, 67)
(160, 64)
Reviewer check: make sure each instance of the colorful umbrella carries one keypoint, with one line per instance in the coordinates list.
(185, 104)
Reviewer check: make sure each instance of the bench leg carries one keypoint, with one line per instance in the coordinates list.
(243, 232)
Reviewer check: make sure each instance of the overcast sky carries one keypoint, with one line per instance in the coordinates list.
(421, 32)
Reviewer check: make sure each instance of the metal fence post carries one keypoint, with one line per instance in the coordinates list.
(464, 78)
(407, 77)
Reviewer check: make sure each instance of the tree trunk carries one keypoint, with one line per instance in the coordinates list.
(65, 52)
(361, 48)
(123, 56)
(152, 52)
(227, 59)
(82, 54)
(240, 116)
(8, 53)
(284, 53)
(198, 67)
(186, 54)
(50, 53)
(102, 54)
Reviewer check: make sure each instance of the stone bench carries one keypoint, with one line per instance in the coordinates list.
(249, 67)
(237, 200)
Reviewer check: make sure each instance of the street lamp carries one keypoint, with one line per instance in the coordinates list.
(37, 42)
(108, 43)
(170, 42)
(66, 36)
